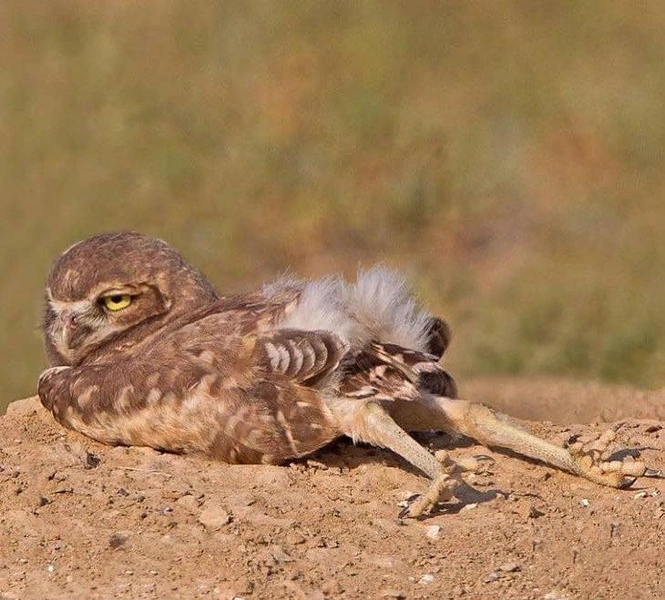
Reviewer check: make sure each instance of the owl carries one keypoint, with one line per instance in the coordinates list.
(144, 351)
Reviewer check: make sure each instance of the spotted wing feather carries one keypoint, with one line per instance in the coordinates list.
(439, 335)
(302, 356)
(391, 372)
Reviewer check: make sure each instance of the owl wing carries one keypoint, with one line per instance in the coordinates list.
(439, 336)
(390, 372)
(259, 389)
(379, 371)
(226, 385)
(279, 413)
(304, 357)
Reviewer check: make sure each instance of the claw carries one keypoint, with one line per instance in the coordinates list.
(440, 490)
(444, 486)
(407, 506)
(626, 483)
(571, 440)
(482, 457)
(653, 473)
(588, 453)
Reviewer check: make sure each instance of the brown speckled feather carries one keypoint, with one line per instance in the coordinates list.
(223, 397)
(143, 351)
(242, 378)
(387, 372)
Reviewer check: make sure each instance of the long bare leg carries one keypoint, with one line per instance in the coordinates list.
(372, 424)
(491, 428)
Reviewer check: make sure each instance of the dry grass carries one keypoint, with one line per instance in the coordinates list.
(507, 154)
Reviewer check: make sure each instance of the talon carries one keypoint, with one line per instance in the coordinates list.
(571, 440)
(408, 502)
(626, 483)
(653, 473)
(588, 453)
(482, 457)
(440, 490)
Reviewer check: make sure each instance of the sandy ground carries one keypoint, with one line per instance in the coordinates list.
(80, 520)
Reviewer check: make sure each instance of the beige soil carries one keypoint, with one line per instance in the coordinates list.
(80, 520)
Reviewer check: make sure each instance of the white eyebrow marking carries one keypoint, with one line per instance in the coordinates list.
(60, 306)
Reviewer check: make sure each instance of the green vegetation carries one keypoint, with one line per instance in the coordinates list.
(508, 155)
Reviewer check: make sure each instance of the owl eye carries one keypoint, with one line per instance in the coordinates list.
(116, 302)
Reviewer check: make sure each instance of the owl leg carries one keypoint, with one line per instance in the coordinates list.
(372, 424)
(444, 486)
(494, 429)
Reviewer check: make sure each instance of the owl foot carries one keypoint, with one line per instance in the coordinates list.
(443, 487)
(591, 455)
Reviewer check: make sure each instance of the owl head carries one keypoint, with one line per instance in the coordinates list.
(108, 285)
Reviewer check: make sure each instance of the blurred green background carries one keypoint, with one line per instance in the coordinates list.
(508, 155)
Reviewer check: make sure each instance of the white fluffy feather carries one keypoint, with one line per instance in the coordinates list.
(384, 308)
(378, 306)
(319, 306)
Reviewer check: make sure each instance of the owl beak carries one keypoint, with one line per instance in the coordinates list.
(68, 323)
(72, 330)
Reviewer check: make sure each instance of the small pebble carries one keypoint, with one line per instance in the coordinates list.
(214, 517)
(117, 539)
(280, 555)
(390, 593)
(433, 532)
(646, 494)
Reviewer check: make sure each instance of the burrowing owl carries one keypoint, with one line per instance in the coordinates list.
(143, 351)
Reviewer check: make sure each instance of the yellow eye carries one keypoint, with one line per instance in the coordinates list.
(117, 301)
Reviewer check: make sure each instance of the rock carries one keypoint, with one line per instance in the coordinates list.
(433, 532)
(118, 539)
(392, 593)
(491, 577)
(189, 503)
(280, 555)
(24, 406)
(214, 516)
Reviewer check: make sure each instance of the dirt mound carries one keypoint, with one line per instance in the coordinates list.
(81, 520)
